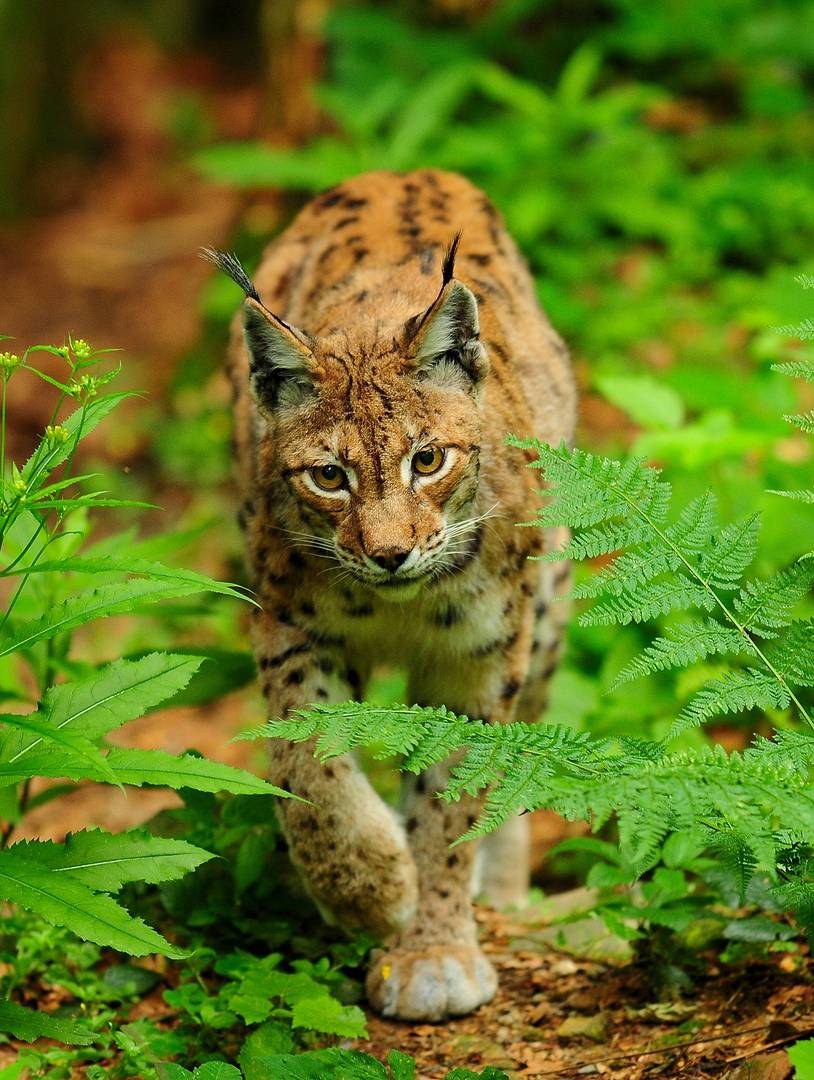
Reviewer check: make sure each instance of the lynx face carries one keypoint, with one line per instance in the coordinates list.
(378, 439)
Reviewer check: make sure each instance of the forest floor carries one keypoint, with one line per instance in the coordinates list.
(572, 1000)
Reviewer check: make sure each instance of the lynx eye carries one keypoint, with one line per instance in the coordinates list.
(429, 461)
(328, 477)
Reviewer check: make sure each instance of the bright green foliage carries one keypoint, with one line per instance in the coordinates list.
(29, 1024)
(353, 1065)
(694, 563)
(55, 589)
(106, 862)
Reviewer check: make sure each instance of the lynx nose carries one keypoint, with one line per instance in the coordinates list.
(390, 558)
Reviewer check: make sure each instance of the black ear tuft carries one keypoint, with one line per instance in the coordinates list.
(448, 265)
(230, 265)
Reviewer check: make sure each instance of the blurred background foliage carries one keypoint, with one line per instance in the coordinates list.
(653, 161)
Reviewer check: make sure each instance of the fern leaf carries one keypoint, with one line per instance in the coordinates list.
(687, 644)
(64, 901)
(603, 540)
(733, 692)
(765, 606)
(736, 856)
(800, 494)
(797, 369)
(793, 655)
(648, 600)
(803, 331)
(30, 1024)
(790, 750)
(729, 553)
(629, 572)
(803, 421)
(104, 861)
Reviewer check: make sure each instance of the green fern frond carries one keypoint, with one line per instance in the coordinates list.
(687, 644)
(803, 421)
(797, 369)
(790, 750)
(730, 551)
(803, 331)
(800, 495)
(733, 692)
(764, 607)
(648, 600)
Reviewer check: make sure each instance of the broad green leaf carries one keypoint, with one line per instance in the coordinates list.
(142, 567)
(138, 767)
(115, 599)
(45, 459)
(156, 767)
(329, 1017)
(648, 402)
(801, 1055)
(216, 1070)
(115, 694)
(64, 901)
(106, 861)
(31, 1024)
(270, 1038)
(68, 742)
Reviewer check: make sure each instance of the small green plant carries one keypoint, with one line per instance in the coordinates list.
(59, 583)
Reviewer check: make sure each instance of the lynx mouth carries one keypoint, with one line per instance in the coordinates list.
(397, 590)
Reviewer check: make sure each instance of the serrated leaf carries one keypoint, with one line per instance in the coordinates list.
(76, 564)
(106, 861)
(107, 600)
(64, 901)
(31, 1024)
(69, 743)
(45, 459)
(686, 645)
(119, 692)
(216, 1070)
(329, 1017)
(137, 767)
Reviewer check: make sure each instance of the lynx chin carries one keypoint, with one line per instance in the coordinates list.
(390, 341)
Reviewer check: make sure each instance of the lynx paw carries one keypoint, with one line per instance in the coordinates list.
(431, 983)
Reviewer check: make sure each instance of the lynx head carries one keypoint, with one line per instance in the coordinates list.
(376, 430)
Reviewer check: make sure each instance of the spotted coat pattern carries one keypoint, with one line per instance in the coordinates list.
(373, 354)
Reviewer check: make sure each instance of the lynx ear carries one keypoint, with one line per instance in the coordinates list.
(447, 335)
(279, 357)
(279, 354)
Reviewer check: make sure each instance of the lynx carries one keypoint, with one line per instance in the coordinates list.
(390, 341)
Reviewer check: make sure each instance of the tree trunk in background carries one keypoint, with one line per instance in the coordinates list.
(293, 48)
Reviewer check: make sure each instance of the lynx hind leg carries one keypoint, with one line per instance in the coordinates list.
(502, 865)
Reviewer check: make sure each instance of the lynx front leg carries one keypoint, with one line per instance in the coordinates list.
(435, 967)
(351, 852)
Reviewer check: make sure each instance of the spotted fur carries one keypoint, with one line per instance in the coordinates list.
(394, 315)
